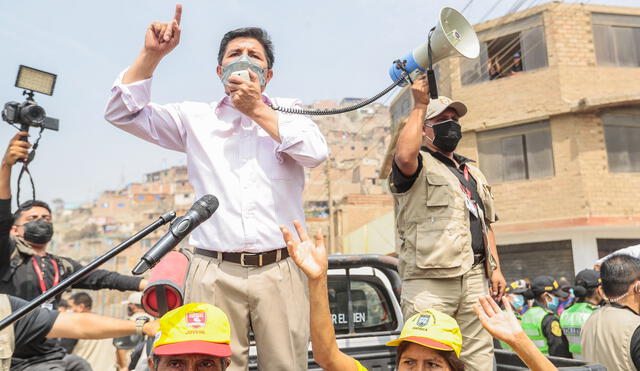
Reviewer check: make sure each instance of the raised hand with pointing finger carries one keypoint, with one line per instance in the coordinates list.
(160, 39)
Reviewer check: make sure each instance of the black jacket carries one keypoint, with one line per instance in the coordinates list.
(18, 276)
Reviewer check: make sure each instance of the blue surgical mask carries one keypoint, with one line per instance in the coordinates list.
(240, 64)
(553, 305)
(568, 299)
(517, 302)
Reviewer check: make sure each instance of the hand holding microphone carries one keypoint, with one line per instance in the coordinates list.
(180, 228)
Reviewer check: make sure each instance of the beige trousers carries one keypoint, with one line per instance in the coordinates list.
(455, 296)
(272, 300)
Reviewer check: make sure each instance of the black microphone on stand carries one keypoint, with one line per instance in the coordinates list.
(180, 228)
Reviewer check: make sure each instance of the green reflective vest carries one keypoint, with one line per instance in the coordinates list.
(572, 321)
(532, 326)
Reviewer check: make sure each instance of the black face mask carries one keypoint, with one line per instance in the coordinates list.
(38, 231)
(446, 135)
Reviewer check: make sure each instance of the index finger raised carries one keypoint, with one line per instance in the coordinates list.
(178, 14)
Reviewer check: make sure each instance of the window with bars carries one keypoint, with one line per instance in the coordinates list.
(617, 39)
(498, 46)
(517, 152)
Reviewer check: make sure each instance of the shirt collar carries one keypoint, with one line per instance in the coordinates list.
(460, 159)
(226, 101)
(620, 306)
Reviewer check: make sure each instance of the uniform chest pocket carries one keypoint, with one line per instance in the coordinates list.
(276, 166)
(437, 190)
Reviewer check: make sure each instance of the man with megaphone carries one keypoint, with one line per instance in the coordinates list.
(448, 255)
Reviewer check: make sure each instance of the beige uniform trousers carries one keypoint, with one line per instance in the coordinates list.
(455, 296)
(272, 300)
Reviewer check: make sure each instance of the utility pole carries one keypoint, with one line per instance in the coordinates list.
(332, 243)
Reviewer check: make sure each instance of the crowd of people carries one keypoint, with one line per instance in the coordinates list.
(246, 265)
(559, 316)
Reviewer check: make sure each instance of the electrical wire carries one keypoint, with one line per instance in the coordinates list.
(466, 6)
(493, 7)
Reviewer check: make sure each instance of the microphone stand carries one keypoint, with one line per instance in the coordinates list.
(80, 274)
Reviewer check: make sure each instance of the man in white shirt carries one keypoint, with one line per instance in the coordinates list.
(251, 157)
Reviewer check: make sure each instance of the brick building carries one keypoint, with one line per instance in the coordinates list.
(560, 140)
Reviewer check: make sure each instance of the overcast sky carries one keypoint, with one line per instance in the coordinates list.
(324, 50)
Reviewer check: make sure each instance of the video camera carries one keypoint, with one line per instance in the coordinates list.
(29, 113)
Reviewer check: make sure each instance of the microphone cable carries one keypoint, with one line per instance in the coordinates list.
(336, 111)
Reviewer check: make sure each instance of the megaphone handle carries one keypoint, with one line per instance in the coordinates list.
(433, 85)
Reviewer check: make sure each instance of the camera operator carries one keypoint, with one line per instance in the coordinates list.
(26, 268)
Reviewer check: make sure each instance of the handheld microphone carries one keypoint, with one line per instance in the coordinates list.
(180, 228)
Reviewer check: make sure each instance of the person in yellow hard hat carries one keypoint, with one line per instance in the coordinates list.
(192, 337)
(430, 338)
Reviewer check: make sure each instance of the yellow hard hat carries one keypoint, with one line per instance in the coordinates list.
(432, 329)
(194, 328)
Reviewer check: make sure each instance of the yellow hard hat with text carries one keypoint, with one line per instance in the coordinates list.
(194, 328)
(432, 329)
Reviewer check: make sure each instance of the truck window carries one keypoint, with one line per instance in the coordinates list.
(371, 305)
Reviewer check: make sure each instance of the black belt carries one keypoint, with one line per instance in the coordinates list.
(247, 259)
(477, 259)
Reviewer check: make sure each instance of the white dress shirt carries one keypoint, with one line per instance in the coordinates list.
(257, 180)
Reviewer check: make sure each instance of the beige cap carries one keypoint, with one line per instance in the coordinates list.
(437, 106)
(135, 298)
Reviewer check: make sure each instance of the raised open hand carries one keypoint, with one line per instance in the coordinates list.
(162, 38)
(312, 259)
(502, 325)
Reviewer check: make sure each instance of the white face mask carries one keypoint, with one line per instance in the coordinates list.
(636, 291)
(243, 63)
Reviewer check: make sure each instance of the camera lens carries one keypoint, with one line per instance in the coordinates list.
(32, 114)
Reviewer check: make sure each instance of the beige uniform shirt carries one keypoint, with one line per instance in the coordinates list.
(433, 223)
(606, 337)
(7, 337)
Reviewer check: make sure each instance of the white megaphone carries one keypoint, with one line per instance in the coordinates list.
(452, 35)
